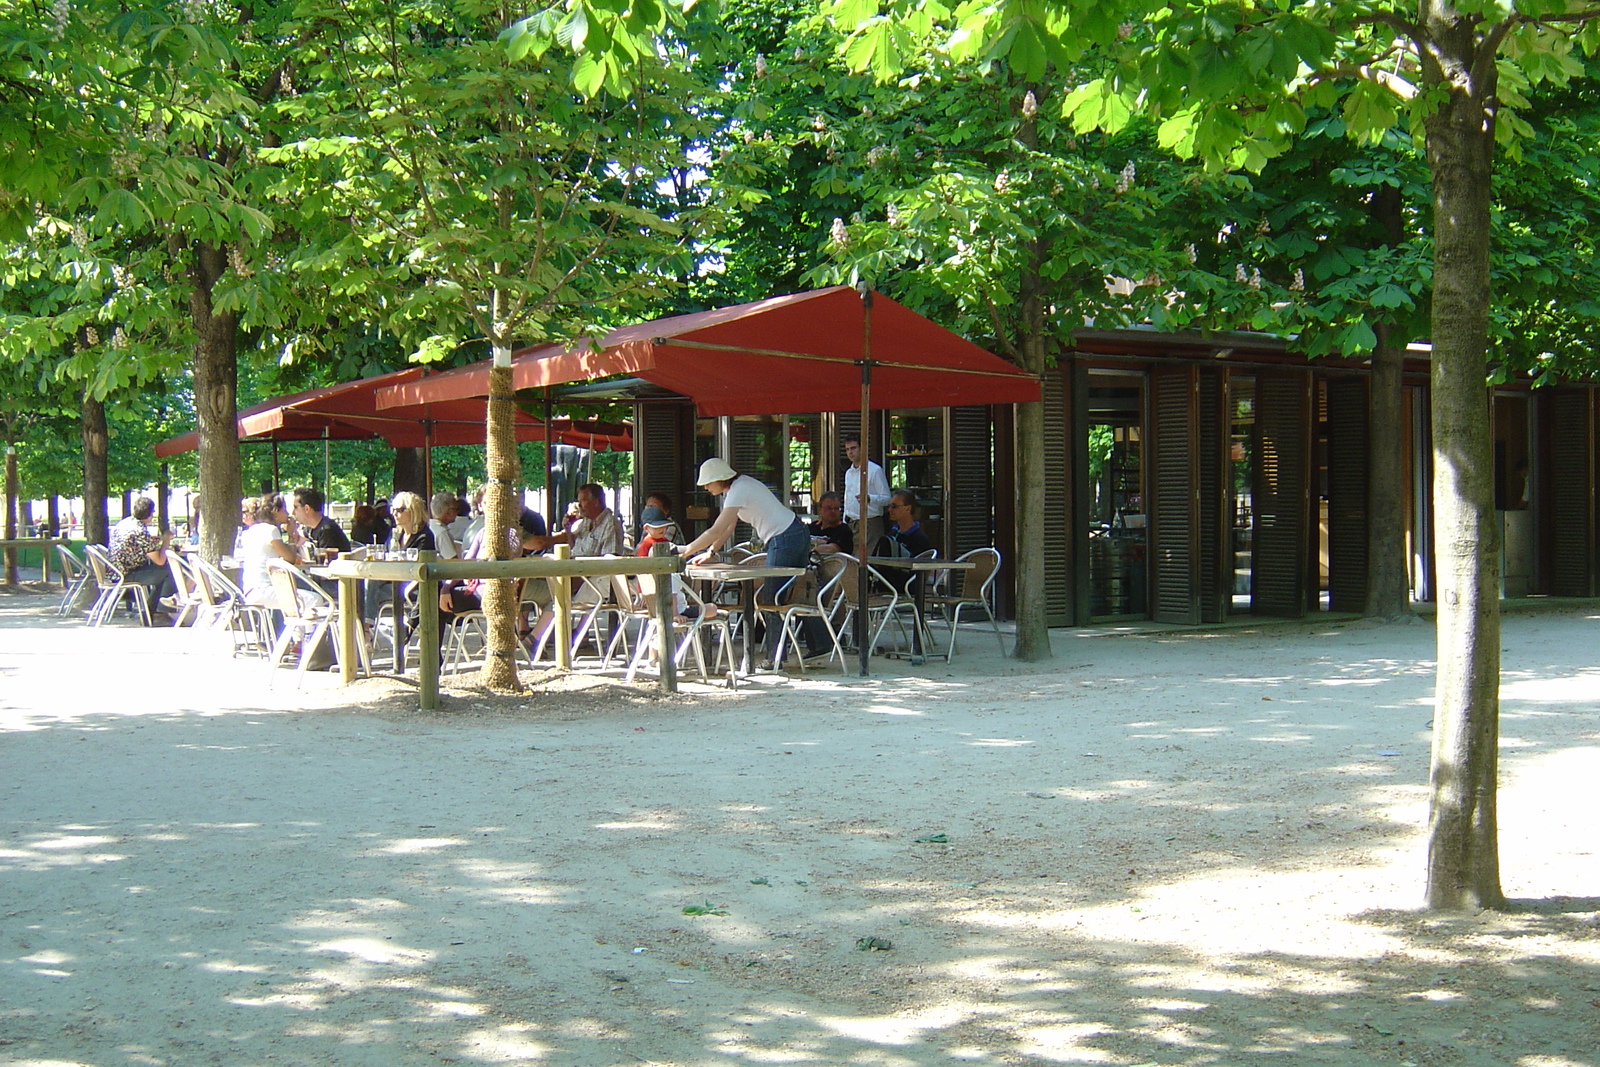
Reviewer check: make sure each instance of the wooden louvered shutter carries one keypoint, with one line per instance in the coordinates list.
(1347, 494)
(661, 460)
(1058, 572)
(1280, 495)
(1571, 489)
(1212, 468)
(751, 455)
(969, 473)
(1174, 515)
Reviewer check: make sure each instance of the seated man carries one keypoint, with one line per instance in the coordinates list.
(592, 529)
(830, 533)
(142, 557)
(903, 538)
(316, 527)
(443, 509)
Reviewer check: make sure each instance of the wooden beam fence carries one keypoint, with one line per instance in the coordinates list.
(558, 571)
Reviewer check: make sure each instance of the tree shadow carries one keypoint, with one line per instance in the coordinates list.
(1088, 866)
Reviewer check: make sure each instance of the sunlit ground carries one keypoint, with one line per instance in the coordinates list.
(1163, 848)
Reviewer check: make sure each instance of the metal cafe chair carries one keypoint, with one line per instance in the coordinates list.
(114, 588)
(75, 575)
(977, 591)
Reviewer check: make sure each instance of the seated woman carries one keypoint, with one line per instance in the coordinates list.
(262, 540)
(410, 514)
(411, 529)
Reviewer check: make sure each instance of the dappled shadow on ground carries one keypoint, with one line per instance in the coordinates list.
(1202, 862)
(475, 943)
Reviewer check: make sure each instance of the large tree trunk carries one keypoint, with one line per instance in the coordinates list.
(1463, 853)
(1033, 629)
(409, 474)
(502, 466)
(1388, 581)
(96, 445)
(12, 575)
(216, 389)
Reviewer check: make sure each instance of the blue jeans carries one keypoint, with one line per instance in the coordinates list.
(792, 548)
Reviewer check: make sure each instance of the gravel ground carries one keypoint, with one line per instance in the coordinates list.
(1168, 847)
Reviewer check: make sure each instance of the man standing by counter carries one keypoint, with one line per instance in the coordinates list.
(877, 493)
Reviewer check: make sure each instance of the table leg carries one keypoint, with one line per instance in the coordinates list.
(747, 598)
(918, 658)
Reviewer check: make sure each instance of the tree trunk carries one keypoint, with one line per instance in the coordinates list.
(1388, 581)
(163, 491)
(1463, 856)
(409, 475)
(12, 575)
(216, 388)
(96, 444)
(502, 467)
(1033, 629)
(54, 514)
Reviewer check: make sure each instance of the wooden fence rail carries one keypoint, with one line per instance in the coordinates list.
(557, 571)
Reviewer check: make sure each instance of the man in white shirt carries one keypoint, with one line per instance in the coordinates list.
(443, 506)
(877, 494)
(461, 524)
(594, 530)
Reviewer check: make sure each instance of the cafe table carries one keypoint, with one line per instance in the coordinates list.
(921, 572)
(48, 545)
(747, 575)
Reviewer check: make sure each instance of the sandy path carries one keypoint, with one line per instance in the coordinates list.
(1173, 849)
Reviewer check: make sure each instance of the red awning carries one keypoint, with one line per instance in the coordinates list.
(783, 355)
(349, 410)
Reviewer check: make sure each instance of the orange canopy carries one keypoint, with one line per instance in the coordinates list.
(782, 355)
(349, 410)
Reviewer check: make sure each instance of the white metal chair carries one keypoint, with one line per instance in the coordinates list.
(189, 600)
(114, 588)
(883, 600)
(802, 598)
(594, 602)
(977, 591)
(309, 616)
(224, 608)
(686, 635)
(75, 575)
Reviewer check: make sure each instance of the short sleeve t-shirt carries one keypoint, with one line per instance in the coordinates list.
(328, 534)
(757, 506)
(254, 553)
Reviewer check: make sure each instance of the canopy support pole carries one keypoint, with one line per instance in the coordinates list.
(549, 465)
(863, 549)
(427, 465)
(276, 478)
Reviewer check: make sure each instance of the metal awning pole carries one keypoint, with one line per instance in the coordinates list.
(863, 549)
(549, 465)
(427, 464)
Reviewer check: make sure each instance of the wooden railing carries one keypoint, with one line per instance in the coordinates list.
(427, 569)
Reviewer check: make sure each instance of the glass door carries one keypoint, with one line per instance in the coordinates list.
(1118, 578)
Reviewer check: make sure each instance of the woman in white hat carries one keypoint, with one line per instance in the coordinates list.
(788, 542)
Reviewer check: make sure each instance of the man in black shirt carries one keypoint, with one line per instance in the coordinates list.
(830, 527)
(317, 527)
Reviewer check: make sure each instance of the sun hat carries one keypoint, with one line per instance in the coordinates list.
(654, 516)
(715, 470)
